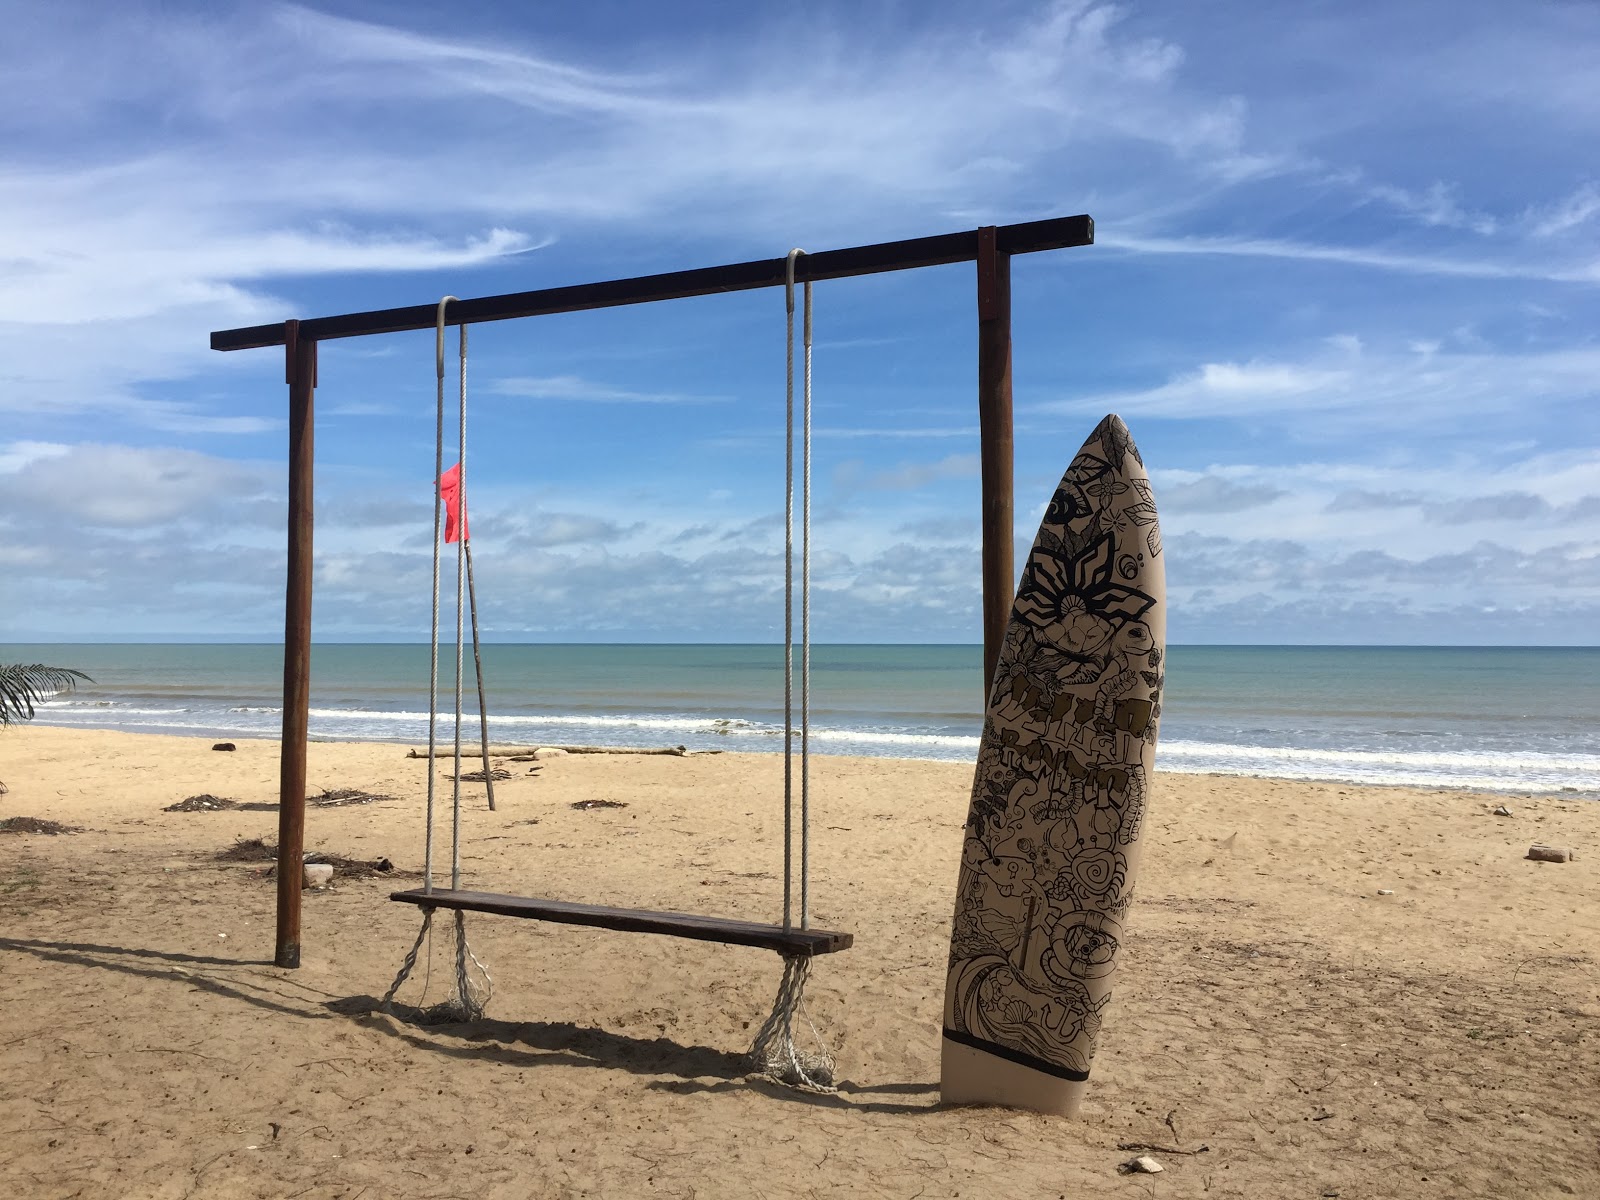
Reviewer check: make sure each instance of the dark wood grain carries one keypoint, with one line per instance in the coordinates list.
(636, 920)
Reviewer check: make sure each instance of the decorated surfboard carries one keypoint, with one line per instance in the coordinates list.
(1052, 835)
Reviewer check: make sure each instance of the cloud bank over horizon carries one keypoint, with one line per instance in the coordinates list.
(1345, 302)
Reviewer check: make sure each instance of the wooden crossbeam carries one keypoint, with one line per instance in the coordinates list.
(636, 920)
(1029, 237)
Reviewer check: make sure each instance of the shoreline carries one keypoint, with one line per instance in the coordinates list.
(1163, 767)
(1329, 986)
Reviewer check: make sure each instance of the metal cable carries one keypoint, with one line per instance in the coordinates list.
(788, 594)
(433, 637)
(805, 641)
(461, 605)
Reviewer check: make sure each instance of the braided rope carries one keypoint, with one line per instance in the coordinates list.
(788, 594)
(386, 1005)
(470, 997)
(433, 635)
(805, 641)
(774, 1053)
(461, 604)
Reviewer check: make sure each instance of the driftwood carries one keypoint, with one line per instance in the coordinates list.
(525, 751)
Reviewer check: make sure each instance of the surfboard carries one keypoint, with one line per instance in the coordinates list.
(1051, 843)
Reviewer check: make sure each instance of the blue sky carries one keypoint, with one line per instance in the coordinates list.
(1345, 294)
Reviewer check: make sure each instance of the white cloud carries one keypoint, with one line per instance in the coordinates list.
(572, 387)
(1512, 263)
(1437, 205)
(854, 473)
(128, 487)
(1379, 388)
(1569, 213)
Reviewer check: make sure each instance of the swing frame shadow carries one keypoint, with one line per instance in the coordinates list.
(990, 247)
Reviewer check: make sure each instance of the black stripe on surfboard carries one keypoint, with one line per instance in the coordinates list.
(1021, 1057)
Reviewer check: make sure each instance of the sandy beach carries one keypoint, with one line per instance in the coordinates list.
(1281, 1026)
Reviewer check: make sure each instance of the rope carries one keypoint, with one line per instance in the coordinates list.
(788, 594)
(470, 997)
(774, 1053)
(461, 605)
(788, 614)
(805, 645)
(433, 636)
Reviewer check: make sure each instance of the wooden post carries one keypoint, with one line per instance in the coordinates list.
(300, 356)
(994, 425)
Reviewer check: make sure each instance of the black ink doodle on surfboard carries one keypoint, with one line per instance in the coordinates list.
(1063, 772)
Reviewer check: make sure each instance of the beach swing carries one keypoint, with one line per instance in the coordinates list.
(774, 1051)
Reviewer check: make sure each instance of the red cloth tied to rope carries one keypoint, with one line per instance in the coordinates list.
(455, 519)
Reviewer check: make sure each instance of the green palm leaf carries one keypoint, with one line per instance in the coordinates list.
(23, 686)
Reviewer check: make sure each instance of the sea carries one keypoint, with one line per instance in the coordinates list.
(1505, 719)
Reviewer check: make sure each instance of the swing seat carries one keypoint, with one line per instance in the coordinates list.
(724, 930)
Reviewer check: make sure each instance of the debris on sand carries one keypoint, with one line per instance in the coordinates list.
(259, 850)
(478, 776)
(35, 825)
(205, 802)
(224, 746)
(585, 805)
(1143, 1165)
(339, 797)
(249, 850)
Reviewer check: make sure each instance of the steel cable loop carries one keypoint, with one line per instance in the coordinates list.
(805, 639)
(433, 636)
(469, 1001)
(774, 1052)
(461, 604)
(788, 593)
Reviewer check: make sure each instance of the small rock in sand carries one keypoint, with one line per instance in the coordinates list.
(317, 875)
(1502, 811)
(1143, 1165)
(224, 746)
(1555, 854)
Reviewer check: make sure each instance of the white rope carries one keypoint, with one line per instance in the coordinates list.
(471, 997)
(788, 594)
(788, 613)
(433, 636)
(805, 644)
(461, 605)
(774, 1052)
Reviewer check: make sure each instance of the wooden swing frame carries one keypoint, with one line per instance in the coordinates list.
(990, 247)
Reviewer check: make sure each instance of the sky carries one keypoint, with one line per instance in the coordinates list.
(1345, 292)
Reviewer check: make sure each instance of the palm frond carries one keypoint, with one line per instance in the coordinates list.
(23, 686)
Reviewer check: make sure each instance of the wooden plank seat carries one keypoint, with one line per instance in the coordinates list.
(636, 920)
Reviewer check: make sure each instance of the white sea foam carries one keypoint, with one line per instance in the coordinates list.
(1479, 769)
